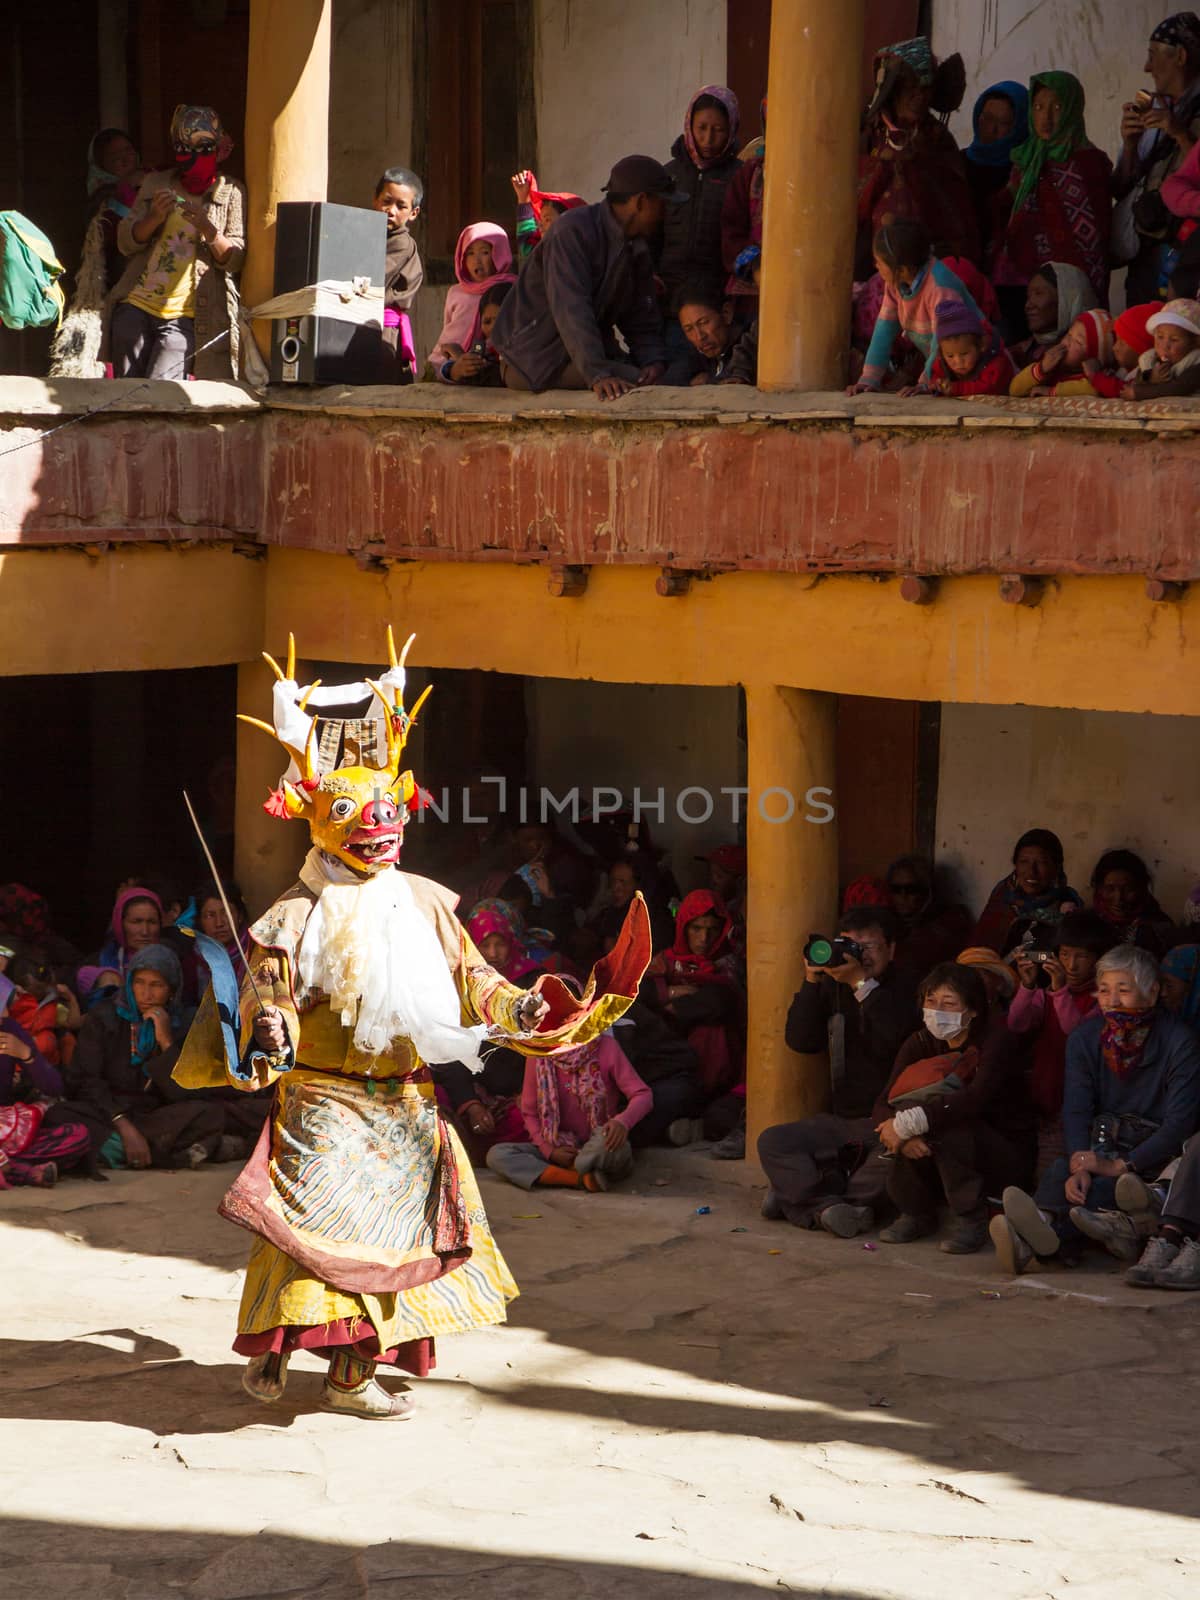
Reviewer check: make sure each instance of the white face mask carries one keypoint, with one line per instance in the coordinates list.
(944, 1024)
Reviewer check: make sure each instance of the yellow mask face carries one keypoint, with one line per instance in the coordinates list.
(356, 814)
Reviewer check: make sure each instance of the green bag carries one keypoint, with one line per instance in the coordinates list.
(30, 294)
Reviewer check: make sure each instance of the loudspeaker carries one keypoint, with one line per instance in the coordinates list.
(315, 240)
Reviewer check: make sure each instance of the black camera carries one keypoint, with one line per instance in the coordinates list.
(823, 952)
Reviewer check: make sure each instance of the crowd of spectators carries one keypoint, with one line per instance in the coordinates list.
(986, 270)
(1033, 1070)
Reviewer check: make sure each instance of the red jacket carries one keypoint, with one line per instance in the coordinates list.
(992, 376)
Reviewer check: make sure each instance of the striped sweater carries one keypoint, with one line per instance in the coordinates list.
(912, 311)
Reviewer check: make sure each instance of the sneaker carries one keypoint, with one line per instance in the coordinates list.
(970, 1234)
(846, 1220)
(684, 1131)
(1184, 1271)
(1158, 1255)
(1029, 1222)
(1134, 1195)
(907, 1228)
(596, 1182)
(732, 1147)
(369, 1400)
(195, 1156)
(1118, 1233)
(1013, 1255)
(772, 1207)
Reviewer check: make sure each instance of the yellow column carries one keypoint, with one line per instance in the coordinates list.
(267, 850)
(792, 876)
(814, 87)
(287, 127)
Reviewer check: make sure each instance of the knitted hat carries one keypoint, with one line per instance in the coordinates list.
(866, 891)
(954, 317)
(1131, 326)
(1177, 314)
(989, 961)
(1097, 325)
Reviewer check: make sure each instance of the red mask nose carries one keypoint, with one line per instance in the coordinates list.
(376, 813)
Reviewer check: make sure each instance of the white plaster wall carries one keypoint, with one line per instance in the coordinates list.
(1103, 42)
(614, 78)
(627, 735)
(1100, 780)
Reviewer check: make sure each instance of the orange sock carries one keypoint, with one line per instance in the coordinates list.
(564, 1177)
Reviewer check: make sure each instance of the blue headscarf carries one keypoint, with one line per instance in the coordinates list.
(999, 152)
(162, 960)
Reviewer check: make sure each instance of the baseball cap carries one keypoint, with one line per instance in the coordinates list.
(730, 856)
(643, 175)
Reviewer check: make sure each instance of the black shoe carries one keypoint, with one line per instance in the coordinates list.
(970, 1234)
(906, 1229)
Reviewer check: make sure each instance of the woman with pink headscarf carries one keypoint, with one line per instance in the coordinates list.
(482, 259)
(136, 923)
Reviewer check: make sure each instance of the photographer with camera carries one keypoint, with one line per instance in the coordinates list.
(824, 1170)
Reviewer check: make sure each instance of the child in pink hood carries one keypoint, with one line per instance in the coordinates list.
(482, 258)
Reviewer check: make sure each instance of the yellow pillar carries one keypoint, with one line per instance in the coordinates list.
(267, 850)
(287, 127)
(814, 87)
(793, 880)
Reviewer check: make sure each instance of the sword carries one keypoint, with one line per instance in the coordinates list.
(229, 916)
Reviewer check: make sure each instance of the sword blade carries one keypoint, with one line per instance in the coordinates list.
(230, 918)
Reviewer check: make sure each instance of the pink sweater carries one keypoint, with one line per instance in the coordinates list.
(620, 1081)
(1028, 1006)
(1181, 191)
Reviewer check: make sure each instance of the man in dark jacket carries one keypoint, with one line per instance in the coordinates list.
(591, 275)
(824, 1170)
(706, 321)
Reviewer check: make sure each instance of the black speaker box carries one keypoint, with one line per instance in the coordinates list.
(314, 241)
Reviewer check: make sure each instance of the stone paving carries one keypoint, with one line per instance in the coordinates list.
(682, 1405)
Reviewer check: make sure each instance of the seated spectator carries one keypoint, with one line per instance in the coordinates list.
(916, 283)
(46, 1009)
(999, 979)
(492, 925)
(185, 240)
(1179, 980)
(38, 1138)
(482, 259)
(486, 1104)
(1034, 894)
(697, 986)
(1132, 1098)
(930, 932)
(206, 914)
(399, 194)
(1172, 368)
(1057, 294)
(136, 924)
(824, 1171)
(591, 276)
(538, 210)
(479, 364)
(1131, 339)
(669, 1067)
(577, 1130)
(956, 1116)
(1154, 140)
(120, 1080)
(912, 171)
(637, 872)
(1171, 1256)
(1121, 894)
(1057, 205)
(1071, 366)
(1051, 1015)
(969, 359)
(999, 123)
(705, 319)
(704, 161)
(727, 878)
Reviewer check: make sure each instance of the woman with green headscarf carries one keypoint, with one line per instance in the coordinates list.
(1059, 191)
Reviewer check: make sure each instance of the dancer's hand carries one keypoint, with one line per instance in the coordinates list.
(530, 1012)
(270, 1030)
